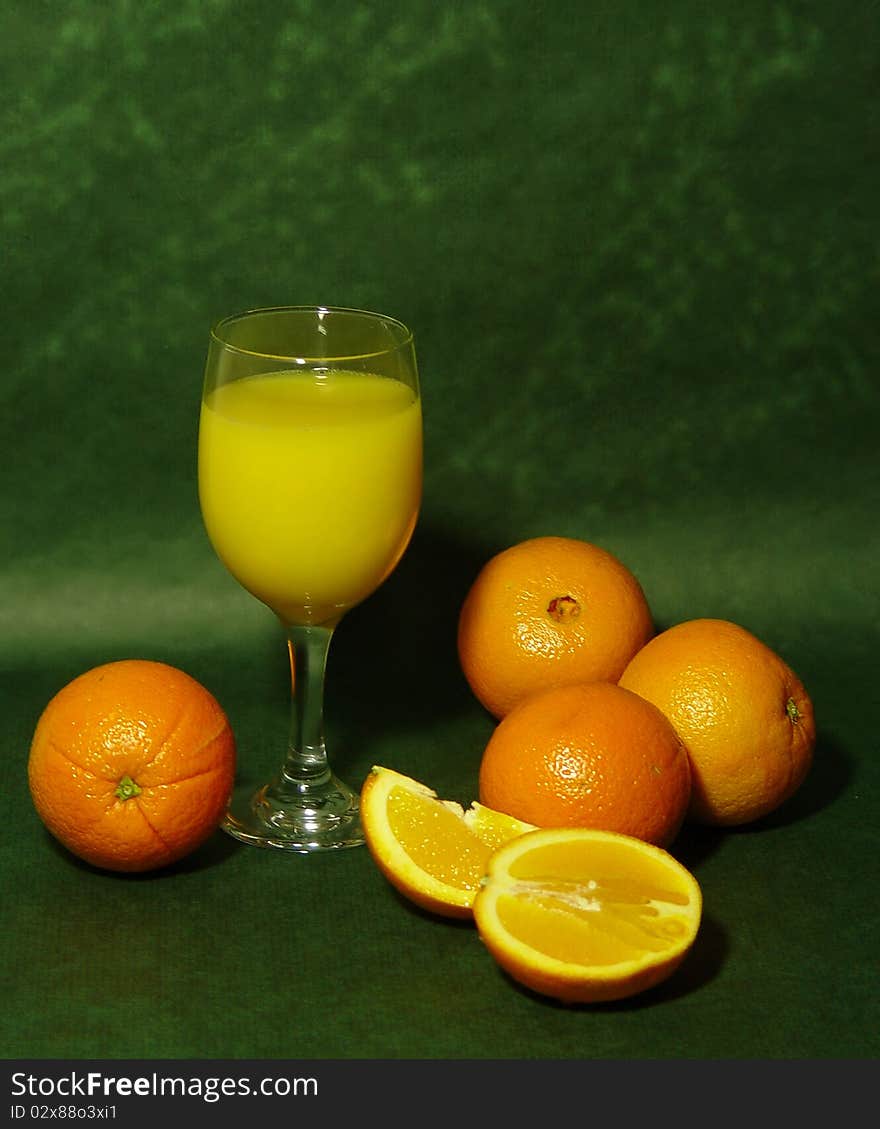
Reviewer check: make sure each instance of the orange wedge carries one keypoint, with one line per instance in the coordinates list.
(431, 850)
(587, 916)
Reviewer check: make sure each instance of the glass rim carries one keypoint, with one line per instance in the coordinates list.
(216, 333)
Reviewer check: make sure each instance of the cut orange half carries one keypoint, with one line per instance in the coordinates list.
(431, 850)
(587, 916)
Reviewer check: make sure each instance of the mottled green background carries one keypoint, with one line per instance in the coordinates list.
(638, 245)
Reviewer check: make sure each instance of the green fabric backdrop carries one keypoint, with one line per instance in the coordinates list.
(637, 244)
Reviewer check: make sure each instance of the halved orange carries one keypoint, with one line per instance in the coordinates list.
(587, 916)
(431, 850)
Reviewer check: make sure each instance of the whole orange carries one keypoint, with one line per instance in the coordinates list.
(550, 611)
(131, 765)
(745, 718)
(591, 755)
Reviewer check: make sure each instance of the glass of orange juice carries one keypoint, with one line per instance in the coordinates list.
(310, 482)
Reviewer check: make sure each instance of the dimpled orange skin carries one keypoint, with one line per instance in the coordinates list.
(131, 765)
(744, 716)
(550, 611)
(592, 755)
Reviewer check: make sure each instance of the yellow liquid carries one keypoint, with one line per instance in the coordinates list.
(310, 486)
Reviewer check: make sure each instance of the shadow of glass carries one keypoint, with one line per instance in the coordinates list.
(394, 658)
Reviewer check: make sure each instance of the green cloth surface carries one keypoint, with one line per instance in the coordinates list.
(638, 246)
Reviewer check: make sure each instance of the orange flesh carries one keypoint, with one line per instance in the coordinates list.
(436, 839)
(581, 927)
(626, 909)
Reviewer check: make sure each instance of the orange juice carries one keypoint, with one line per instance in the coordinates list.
(310, 485)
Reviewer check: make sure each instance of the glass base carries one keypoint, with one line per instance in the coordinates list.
(325, 818)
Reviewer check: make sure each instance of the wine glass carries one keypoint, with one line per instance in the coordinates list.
(310, 482)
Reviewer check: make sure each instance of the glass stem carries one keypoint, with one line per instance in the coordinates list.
(306, 767)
